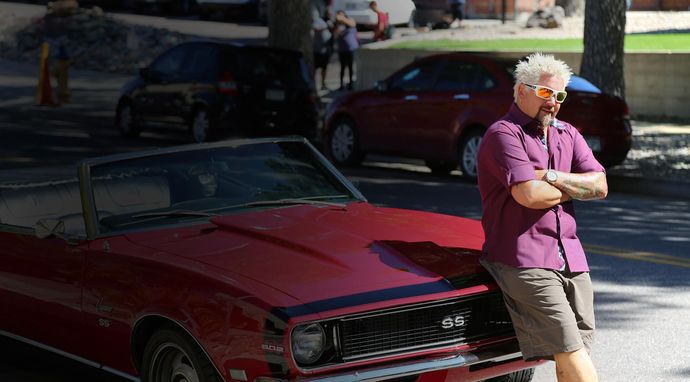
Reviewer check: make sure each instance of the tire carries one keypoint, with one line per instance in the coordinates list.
(518, 376)
(125, 121)
(343, 143)
(200, 125)
(172, 356)
(467, 153)
(440, 168)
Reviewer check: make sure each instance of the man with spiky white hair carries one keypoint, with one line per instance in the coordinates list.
(530, 166)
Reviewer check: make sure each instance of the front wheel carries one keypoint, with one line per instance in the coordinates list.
(173, 356)
(467, 154)
(125, 122)
(200, 125)
(343, 143)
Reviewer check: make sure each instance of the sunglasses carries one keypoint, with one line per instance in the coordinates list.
(546, 93)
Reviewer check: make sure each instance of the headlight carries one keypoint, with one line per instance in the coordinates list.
(308, 343)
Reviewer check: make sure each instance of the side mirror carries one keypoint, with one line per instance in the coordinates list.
(46, 228)
(381, 86)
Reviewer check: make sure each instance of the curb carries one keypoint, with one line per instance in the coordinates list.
(649, 187)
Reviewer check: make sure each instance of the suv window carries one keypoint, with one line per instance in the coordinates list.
(419, 77)
(169, 63)
(201, 63)
(459, 75)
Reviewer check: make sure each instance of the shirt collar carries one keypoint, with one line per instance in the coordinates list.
(517, 116)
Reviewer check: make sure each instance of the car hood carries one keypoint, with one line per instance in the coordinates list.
(317, 253)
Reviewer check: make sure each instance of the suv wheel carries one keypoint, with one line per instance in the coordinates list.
(125, 122)
(200, 126)
(343, 143)
(467, 153)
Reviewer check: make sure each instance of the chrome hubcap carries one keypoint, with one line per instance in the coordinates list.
(172, 364)
(125, 118)
(342, 142)
(200, 126)
(469, 156)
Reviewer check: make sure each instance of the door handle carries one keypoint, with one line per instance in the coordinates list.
(411, 98)
(461, 96)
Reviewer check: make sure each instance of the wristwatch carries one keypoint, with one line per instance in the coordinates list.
(551, 176)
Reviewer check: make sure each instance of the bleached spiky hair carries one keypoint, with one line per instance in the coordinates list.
(535, 65)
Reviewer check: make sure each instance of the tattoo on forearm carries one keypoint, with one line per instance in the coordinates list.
(584, 186)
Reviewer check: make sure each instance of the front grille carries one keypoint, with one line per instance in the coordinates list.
(394, 331)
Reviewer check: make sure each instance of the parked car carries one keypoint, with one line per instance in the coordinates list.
(400, 12)
(249, 260)
(212, 88)
(438, 107)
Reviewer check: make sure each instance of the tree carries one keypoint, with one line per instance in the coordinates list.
(289, 26)
(602, 59)
(572, 7)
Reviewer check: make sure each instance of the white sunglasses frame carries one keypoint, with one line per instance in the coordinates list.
(554, 95)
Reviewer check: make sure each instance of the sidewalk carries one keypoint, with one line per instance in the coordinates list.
(658, 164)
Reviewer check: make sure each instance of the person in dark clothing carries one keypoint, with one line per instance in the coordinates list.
(346, 32)
(456, 8)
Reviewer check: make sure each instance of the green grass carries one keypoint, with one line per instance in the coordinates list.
(634, 42)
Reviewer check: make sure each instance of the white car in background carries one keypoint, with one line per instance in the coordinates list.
(399, 11)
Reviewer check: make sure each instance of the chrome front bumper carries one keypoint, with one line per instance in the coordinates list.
(494, 354)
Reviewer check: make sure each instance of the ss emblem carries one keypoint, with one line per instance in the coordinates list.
(453, 322)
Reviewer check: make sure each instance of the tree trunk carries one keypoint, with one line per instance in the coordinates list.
(602, 59)
(289, 26)
(572, 7)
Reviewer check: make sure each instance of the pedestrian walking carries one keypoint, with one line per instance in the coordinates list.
(381, 22)
(322, 43)
(346, 31)
(530, 166)
(457, 9)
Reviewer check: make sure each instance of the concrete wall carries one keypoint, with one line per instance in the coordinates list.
(657, 84)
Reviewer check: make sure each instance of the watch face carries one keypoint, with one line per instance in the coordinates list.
(551, 176)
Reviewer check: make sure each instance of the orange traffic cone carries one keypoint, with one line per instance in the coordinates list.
(44, 91)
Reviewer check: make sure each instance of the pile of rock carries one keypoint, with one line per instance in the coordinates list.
(90, 38)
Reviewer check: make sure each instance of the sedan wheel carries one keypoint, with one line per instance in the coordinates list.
(124, 120)
(171, 356)
(468, 154)
(344, 148)
(200, 126)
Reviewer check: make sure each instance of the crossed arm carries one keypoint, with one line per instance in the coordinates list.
(539, 194)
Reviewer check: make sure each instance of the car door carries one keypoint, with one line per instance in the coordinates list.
(199, 76)
(463, 92)
(154, 99)
(41, 290)
(392, 118)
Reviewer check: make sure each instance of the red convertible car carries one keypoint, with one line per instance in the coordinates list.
(438, 107)
(246, 260)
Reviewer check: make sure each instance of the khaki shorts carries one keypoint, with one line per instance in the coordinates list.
(552, 311)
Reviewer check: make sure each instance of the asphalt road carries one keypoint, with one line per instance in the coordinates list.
(638, 247)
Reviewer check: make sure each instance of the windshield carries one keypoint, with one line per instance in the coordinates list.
(192, 185)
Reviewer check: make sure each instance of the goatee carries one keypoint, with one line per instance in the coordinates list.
(546, 121)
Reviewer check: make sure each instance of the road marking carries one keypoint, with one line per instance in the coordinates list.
(639, 255)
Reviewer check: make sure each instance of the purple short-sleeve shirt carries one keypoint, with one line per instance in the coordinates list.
(509, 153)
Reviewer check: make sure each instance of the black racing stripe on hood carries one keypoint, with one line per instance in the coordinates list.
(363, 298)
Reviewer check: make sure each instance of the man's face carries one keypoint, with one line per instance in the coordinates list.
(540, 109)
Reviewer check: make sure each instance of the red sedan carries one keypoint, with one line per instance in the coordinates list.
(245, 261)
(437, 109)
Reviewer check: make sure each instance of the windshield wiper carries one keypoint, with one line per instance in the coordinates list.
(173, 213)
(290, 201)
